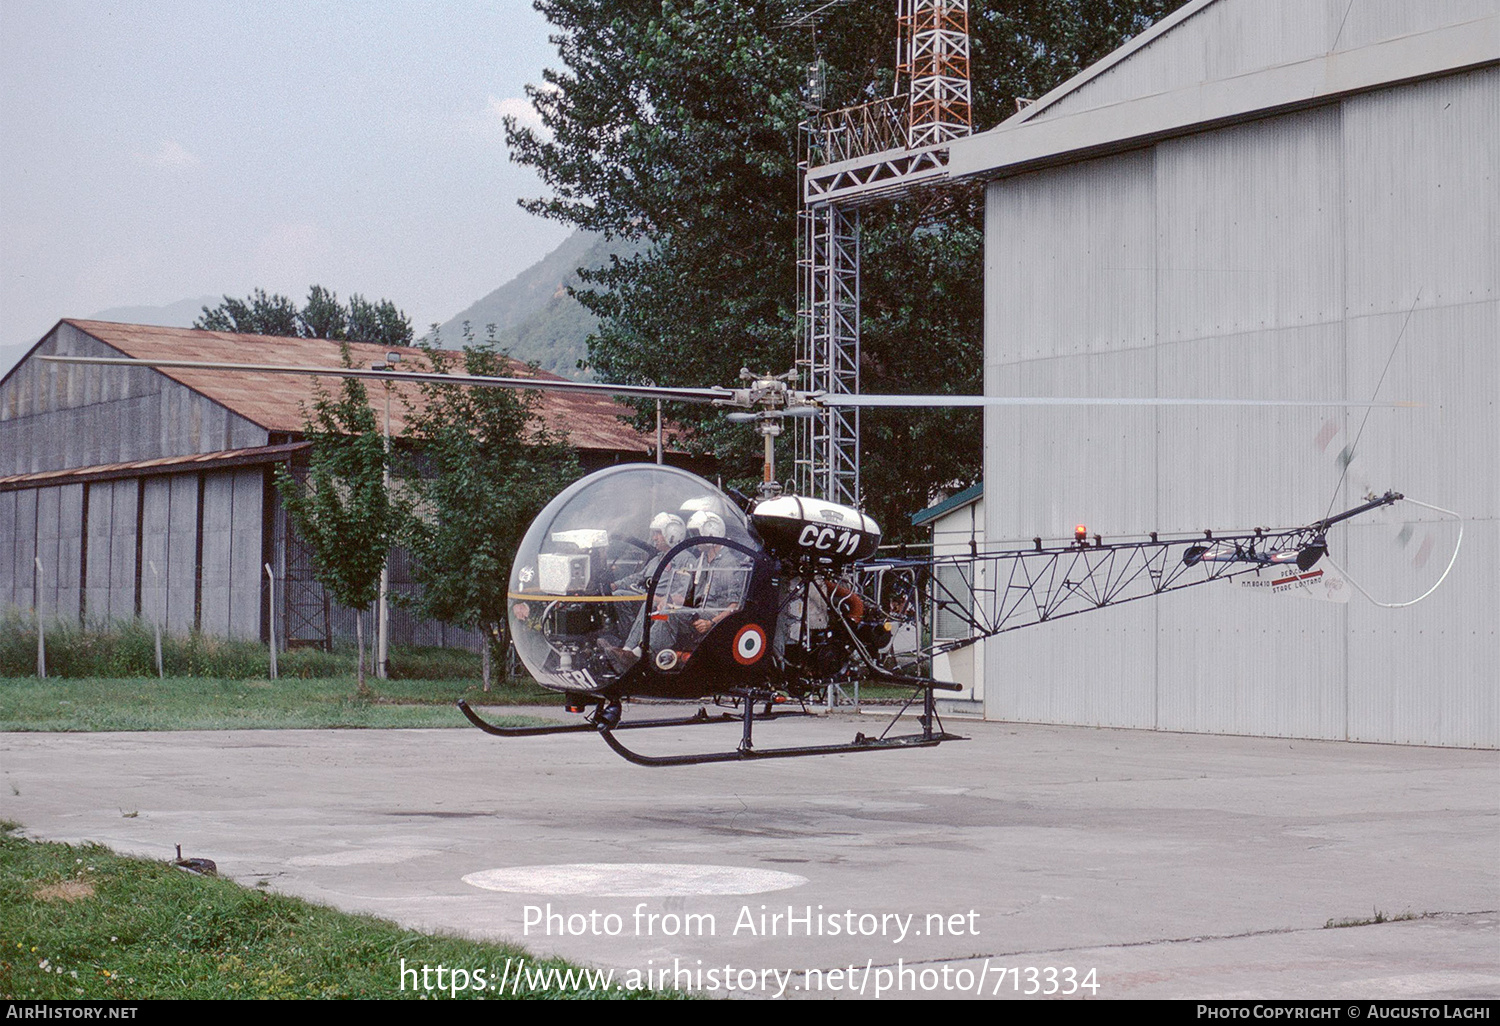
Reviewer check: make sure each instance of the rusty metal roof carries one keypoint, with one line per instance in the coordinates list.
(279, 402)
(161, 465)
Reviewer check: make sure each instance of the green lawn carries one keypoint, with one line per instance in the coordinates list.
(201, 703)
(82, 923)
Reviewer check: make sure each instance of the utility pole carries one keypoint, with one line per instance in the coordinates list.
(383, 609)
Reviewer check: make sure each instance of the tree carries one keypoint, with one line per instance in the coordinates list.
(341, 508)
(484, 468)
(259, 314)
(675, 123)
(322, 317)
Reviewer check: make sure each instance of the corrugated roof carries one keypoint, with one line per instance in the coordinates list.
(957, 500)
(277, 402)
(161, 465)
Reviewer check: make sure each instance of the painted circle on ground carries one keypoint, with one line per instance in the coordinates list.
(633, 880)
(749, 644)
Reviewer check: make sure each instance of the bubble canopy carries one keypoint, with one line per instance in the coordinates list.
(578, 584)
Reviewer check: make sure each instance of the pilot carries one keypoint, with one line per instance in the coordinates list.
(703, 585)
(667, 530)
(717, 580)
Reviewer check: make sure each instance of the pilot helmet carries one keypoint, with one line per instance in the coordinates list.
(705, 524)
(670, 527)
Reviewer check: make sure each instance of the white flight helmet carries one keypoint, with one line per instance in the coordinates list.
(705, 524)
(670, 527)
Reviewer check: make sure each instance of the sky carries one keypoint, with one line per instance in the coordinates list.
(158, 150)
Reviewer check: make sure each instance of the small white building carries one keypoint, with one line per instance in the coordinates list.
(957, 525)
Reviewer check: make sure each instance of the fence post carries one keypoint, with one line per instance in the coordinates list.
(41, 633)
(156, 617)
(271, 620)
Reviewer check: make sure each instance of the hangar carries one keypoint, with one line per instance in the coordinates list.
(1271, 199)
(148, 492)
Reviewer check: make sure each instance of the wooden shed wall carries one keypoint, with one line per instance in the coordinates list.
(111, 550)
(55, 417)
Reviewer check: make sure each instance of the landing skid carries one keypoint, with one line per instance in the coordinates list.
(928, 738)
(594, 721)
(605, 721)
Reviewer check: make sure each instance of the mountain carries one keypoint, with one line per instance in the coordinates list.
(174, 315)
(180, 314)
(534, 317)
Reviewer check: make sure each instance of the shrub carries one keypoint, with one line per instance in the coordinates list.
(128, 649)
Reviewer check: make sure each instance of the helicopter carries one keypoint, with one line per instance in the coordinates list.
(643, 581)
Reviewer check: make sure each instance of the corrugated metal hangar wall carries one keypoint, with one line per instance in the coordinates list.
(1278, 254)
(114, 547)
(142, 497)
(150, 493)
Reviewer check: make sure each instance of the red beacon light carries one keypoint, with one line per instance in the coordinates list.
(1081, 534)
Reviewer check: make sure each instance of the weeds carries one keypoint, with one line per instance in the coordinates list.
(128, 649)
(1377, 917)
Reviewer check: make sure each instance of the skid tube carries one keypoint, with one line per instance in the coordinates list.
(700, 717)
(928, 738)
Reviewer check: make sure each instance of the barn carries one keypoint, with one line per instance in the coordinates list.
(1291, 199)
(148, 492)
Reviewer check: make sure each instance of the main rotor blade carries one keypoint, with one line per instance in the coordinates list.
(691, 395)
(955, 401)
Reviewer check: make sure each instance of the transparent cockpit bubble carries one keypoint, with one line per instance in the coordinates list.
(578, 585)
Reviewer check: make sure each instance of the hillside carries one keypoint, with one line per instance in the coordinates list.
(174, 315)
(534, 317)
(180, 314)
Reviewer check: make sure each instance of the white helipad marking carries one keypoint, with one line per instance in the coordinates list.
(633, 880)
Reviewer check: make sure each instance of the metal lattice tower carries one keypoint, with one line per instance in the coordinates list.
(935, 62)
(828, 350)
(851, 157)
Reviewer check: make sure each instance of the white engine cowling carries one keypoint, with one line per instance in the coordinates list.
(825, 533)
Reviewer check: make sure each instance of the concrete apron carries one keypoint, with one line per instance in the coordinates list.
(1172, 865)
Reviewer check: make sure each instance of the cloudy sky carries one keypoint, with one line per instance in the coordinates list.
(156, 150)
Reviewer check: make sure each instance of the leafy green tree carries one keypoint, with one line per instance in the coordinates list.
(323, 316)
(484, 468)
(259, 314)
(675, 123)
(341, 508)
(378, 322)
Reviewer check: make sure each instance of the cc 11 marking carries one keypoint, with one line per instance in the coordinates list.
(822, 539)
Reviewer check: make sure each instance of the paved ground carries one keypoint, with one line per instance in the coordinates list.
(1172, 865)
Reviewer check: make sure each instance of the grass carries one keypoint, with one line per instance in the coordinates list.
(105, 679)
(205, 703)
(1377, 917)
(83, 923)
(128, 649)
(198, 703)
